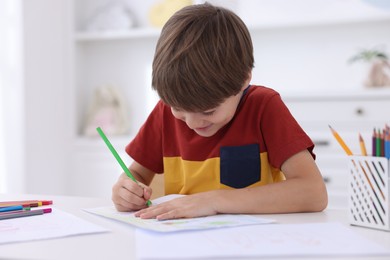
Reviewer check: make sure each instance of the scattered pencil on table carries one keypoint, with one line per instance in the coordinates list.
(26, 203)
(22, 208)
(11, 208)
(25, 213)
(118, 158)
(340, 141)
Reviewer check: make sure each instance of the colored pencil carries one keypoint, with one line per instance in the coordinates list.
(382, 140)
(362, 145)
(118, 158)
(387, 145)
(19, 210)
(341, 141)
(25, 213)
(10, 204)
(13, 212)
(374, 143)
(11, 208)
(26, 203)
(378, 143)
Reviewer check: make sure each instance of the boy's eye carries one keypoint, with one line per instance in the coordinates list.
(175, 109)
(208, 113)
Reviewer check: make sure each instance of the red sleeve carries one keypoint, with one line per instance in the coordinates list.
(146, 147)
(282, 134)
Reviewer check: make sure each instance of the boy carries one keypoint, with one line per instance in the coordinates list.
(230, 146)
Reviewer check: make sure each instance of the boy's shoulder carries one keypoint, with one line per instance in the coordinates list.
(260, 98)
(262, 90)
(258, 93)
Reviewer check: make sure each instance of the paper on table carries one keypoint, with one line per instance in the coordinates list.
(210, 222)
(53, 225)
(277, 240)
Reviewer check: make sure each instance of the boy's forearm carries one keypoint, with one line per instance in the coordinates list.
(141, 173)
(284, 197)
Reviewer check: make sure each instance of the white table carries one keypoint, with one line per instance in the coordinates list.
(120, 242)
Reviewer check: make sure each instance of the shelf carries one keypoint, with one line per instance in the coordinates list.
(137, 33)
(266, 14)
(378, 93)
(313, 23)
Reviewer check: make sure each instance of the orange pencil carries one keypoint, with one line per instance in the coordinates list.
(362, 145)
(341, 141)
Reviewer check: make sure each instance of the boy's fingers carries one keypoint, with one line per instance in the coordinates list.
(133, 187)
(128, 199)
(147, 193)
(132, 198)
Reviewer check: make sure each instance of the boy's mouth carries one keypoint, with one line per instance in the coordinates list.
(202, 129)
(206, 131)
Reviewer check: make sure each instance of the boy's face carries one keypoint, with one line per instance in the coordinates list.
(208, 123)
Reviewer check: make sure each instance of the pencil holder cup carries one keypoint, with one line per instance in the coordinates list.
(368, 192)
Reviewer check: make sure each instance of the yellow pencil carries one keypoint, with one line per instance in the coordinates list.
(341, 141)
(362, 145)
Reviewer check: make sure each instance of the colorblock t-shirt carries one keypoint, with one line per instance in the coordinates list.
(247, 152)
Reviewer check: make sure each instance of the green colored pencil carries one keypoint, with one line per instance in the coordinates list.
(378, 143)
(118, 158)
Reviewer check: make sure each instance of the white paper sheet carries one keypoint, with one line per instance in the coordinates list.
(276, 240)
(210, 222)
(50, 225)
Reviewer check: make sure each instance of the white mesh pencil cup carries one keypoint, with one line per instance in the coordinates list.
(368, 192)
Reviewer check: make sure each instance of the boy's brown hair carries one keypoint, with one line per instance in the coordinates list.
(203, 56)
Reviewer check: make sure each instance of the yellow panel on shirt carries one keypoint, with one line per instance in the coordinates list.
(188, 177)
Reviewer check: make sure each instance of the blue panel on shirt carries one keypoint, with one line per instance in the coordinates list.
(240, 165)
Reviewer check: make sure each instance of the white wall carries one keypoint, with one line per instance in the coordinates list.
(45, 41)
(12, 130)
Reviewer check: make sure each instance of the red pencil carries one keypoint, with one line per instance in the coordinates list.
(26, 203)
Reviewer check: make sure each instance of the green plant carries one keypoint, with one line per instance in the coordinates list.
(369, 56)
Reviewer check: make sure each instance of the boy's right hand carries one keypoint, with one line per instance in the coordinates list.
(128, 195)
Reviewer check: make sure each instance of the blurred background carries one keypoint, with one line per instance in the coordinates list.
(67, 66)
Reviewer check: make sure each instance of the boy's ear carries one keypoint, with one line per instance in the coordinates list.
(248, 80)
(249, 76)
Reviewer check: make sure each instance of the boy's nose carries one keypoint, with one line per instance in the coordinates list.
(193, 121)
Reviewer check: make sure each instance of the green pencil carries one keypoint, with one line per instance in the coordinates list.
(118, 158)
(378, 143)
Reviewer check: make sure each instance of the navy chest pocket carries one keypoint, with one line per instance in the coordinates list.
(240, 165)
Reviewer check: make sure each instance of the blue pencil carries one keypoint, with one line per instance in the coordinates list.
(387, 145)
(374, 143)
(11, 208)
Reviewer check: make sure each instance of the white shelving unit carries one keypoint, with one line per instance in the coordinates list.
(349, 114)
(124, 59)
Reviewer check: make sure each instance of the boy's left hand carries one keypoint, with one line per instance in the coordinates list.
(190, 206)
